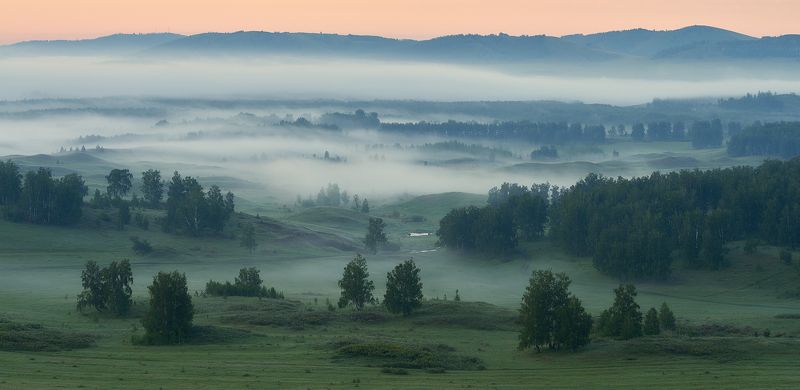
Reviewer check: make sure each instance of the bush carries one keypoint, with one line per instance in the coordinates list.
(247, 284)
(141, 247)
(36, 338)
(398, 355)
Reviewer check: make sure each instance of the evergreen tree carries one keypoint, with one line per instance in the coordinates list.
(169, 317)
(355, 284)
(651, 326)
(403, 288)
(365, 206)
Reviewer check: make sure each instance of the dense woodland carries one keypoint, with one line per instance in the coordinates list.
(38, 197)
(543, 133)
(636, 228)
(769, 139)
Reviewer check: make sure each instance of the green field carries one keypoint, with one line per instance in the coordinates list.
(252, 343)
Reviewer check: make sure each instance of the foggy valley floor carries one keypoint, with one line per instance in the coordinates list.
(738, 325)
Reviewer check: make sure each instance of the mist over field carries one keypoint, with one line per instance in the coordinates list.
(342, 78)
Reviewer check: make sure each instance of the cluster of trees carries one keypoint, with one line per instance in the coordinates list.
(107, 288)
(702, 134)
(247, 284)
(192, 210)
(461, 147)
(38, 197)
(169, 317)
(403, 287)
(544, 153)
(623, 320)
(533, 132)
(357, 120)
(762, 101)
(333, 196)
(634, 227)
(513, 212)
(771, 139)
(551, 316)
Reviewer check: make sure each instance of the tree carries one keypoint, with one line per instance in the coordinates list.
(403, 288)
(119, 183)
(169, 318)
(623, 319)
(651, 326)
(365, 206)
(666, 318)
(152, 187)
(93, 293)
(355, 284)
(375, 236)
(10, 183)
(550, 315)
(117, 279)
(249, 281)
(248, 239)
(107, 288)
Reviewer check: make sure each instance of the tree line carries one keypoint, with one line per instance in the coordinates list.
(769, 139)
(513, 213)
(534, 132)
(635, 228)
(38, 197)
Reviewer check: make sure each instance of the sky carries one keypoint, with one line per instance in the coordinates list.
(22, 20)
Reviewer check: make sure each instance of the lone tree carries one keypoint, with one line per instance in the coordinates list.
(93, 293)
(551, 316)
(152, 187)
(666, 318)
(403, 288)
(248, 239)
(355, 284)
(623, 319)
(375, 236)
(651, 326)
(119, 183)
(169, 319)
(107, 288)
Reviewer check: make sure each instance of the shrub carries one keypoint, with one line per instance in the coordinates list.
(247, 284)
(141, 221)
(141, 247)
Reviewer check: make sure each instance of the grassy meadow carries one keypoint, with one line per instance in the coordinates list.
(300, 343)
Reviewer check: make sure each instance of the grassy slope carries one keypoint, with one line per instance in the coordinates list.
(40, 268)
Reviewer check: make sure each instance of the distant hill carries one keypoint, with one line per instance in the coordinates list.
(111, 44)
(482, 48)
(689, 43)
(649, 43)
(782, 47)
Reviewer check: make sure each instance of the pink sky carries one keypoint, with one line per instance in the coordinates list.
(70, 19)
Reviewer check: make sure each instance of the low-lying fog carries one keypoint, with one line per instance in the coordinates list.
(287, 78)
